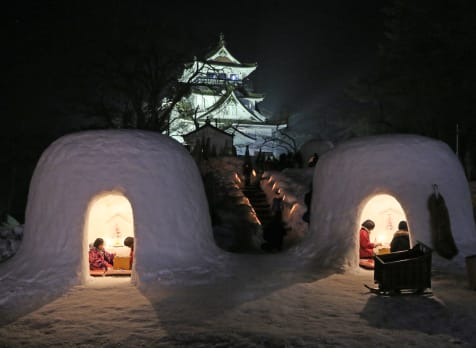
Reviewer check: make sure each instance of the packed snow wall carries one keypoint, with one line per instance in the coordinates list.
(157, 176)
(403, 166)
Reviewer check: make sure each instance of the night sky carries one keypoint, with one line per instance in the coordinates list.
(414, 66)
(306, 51)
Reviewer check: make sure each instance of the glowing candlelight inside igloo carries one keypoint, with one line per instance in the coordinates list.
(386, 212)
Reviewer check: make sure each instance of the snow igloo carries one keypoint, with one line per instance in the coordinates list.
(112, 184)
(386, 179)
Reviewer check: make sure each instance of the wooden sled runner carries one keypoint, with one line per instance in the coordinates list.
(377, 291)
(110, 272)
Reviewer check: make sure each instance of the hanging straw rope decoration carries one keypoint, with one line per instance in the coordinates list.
(440, 225)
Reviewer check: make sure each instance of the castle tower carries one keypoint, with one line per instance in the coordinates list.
(220, 93)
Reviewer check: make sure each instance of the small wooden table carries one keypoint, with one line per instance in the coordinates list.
(383, 251)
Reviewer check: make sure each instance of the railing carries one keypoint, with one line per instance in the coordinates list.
(210, 81)
(217, 79)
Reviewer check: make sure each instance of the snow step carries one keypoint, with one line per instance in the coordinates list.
(259, 202)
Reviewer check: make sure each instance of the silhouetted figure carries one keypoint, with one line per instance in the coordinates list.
(129, 242)
(307, 200)
(313, 160)
(247, 170)
(274, 234)
(277, 204)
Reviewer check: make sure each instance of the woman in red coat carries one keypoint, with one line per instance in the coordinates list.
(366, 250)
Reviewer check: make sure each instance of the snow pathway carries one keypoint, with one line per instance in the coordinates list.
(334, 311)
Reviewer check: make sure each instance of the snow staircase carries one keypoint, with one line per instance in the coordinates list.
(263, 211)
(259, 202)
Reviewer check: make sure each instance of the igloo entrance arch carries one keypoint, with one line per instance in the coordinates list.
(109, 216)
(386, 212)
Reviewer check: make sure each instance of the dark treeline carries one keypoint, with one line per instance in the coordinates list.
(425, 79)
(75, 65)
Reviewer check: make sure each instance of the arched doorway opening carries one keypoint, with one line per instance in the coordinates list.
(109, 216)
(386, 212)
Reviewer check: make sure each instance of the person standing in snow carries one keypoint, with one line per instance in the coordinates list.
(313, 160)
(274, 234)
(366, 250)
(247, 170)
(307, 200)
(129, 242)
(99, 258)
(401, 238)
(274, 231)
(277, 203)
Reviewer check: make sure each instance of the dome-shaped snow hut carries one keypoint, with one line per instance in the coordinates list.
(387, 179)
(132, 182)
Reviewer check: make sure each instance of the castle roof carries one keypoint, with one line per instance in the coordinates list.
(230, 97)
(222, 56)
(210, 126)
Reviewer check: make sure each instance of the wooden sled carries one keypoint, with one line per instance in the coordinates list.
(403, 272)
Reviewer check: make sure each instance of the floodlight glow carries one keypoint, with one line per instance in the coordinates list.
(386, 212)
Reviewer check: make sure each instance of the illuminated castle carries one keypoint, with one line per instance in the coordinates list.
(219, 93)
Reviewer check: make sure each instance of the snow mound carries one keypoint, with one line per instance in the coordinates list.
(403, 166)
(157, 176)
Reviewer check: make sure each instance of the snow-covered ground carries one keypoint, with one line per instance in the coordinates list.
(278, 308)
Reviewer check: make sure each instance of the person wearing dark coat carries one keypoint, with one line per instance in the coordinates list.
(129, 242)
(274, 233)
(401, 238)
(307, 200)
(247, 170)
(313, 160)
(277, 203)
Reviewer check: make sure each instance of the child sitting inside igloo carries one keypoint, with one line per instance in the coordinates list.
(401, 238)
(99, 258)
(129, 242)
